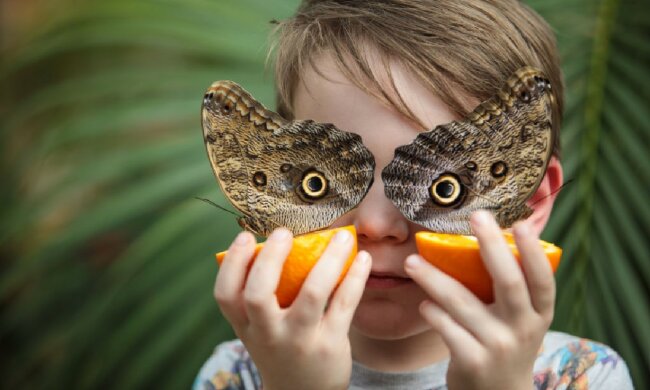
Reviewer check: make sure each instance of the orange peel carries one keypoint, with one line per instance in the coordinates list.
(459, 257)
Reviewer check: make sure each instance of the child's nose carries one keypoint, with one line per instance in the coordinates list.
(377, 219)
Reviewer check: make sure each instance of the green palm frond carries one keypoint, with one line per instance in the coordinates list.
(107, 260)
(602, 218)
(110, 259)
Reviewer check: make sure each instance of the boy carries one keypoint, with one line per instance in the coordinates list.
(388, 70)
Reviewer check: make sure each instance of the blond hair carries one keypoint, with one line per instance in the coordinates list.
(456, 48)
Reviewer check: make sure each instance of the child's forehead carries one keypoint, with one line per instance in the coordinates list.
(324, 83)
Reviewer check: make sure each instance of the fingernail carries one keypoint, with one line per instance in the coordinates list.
(342, 237)
(363, 257)
(279, 235)
(242, 238)
(413, 261)
(428, 306)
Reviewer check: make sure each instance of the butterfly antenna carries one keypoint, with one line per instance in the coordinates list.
(208, 201)
(554, 192)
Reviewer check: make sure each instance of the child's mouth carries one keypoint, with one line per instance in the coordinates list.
(380, 280)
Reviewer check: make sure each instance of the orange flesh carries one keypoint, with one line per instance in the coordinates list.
(459, 257)
(304, 254)
(456, 255)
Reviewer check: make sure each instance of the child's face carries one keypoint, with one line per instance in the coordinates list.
(389, 307)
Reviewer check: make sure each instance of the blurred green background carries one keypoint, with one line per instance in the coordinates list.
(106, 260)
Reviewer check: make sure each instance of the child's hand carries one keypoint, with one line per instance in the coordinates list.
(303, 346)
(492, 347)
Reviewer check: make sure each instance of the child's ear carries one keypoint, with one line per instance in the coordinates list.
(542, 201)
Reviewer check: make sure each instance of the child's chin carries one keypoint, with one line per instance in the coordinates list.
(387, 320)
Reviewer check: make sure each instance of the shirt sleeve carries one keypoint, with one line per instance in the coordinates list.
(608, 376)
(582, 364)
(229, 368)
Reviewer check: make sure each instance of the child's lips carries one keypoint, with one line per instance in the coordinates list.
(380, 280)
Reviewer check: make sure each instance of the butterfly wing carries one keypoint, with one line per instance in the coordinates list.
(298, 174)
(493, 159)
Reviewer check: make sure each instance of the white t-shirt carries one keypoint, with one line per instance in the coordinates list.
(564, 362)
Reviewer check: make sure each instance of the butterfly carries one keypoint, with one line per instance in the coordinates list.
(298, 174)
(494, 159)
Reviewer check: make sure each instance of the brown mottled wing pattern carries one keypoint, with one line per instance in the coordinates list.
(298, 174)
(497, 155)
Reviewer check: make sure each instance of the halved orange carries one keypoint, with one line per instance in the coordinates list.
(304, 254)
(458, 256)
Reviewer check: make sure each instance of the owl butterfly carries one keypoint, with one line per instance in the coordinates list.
(298, 174)
(493, 159)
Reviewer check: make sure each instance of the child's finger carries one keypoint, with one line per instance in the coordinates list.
(312, 298)
(508, 281)
(347, 296)
(259, 293)
(232, 277)
(537, 270)
(454, 298)
(462, 345)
